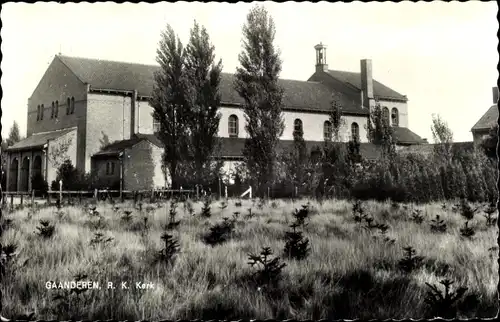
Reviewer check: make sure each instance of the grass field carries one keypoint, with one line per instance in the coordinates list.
(353, 269)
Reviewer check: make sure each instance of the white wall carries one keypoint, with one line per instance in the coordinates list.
(311, 122)
(68, 138)
(143, 117)
(109, 115)
(402, 109)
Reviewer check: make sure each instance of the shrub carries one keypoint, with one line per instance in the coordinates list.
(444, 305)
(45, 230)
(410, 261)
(39, 184)
(296, 246)
(170, 249)
(438, 225)
(205, 210)
(269, 270)
(220, 233)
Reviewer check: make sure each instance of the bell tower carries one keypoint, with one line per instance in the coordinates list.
(321, 64)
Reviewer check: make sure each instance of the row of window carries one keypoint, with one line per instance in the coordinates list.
(54, 112)
(233, 128)
(394, 120)
(233, 125)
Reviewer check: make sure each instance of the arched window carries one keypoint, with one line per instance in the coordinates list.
(233, 126)
(355, 131)
(68, 102)
(327, 130)
(52, 110)
(56, 113)
(395, 117)
(72, 105)
(297, 127)
(385, 114)
(41, 112)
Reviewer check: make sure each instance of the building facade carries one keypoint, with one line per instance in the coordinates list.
(487, 121)
(105, 102)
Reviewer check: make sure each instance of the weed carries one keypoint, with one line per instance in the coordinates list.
(444, 305)
(205, 210)
(238, 203)
(172, 224)
(188, 207)
(45, 230)
(127, 216)
(250, 214)
(438, 225)
(489, 211)
(301, 215)
(410, 261)
(466, 231)
(100, 239)
(466, 210)
(171, 248)
(269, 270)
(219, 233)
(296, 246)
(417, 216)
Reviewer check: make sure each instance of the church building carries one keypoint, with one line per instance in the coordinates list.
(97, 114)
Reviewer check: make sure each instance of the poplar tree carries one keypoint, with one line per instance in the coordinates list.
(380, 131)
(203, 78)
(256, 81)
(14, 135)
(169, 102)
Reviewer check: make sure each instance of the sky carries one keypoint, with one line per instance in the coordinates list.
(443, 56)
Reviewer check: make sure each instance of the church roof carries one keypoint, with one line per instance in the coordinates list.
(117, 147)
(113, 75)
(354, 79)
(489, 119)
(38, 140)
(405, 136)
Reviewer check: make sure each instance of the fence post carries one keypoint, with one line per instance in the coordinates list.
(22, 199)
(197, 192)
(12, 200)
(32, 197)
(152, 195)
(80, 197)
(225, 191)
(96, 195)
(60, 191)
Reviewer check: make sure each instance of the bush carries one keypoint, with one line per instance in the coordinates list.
(39, 184)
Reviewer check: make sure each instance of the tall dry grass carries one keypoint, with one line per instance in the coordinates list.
(348, 273)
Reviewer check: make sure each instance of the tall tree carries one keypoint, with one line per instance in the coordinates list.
(443, 137)
(380, 131)
(14, 135)
(336, 116)
(203, 82)
(169, 102)
(298, 158)
(256, 81)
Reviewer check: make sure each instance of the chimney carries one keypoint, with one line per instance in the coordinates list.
(367, 82)
(321, 65)
(132, 113)
(495, 95)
